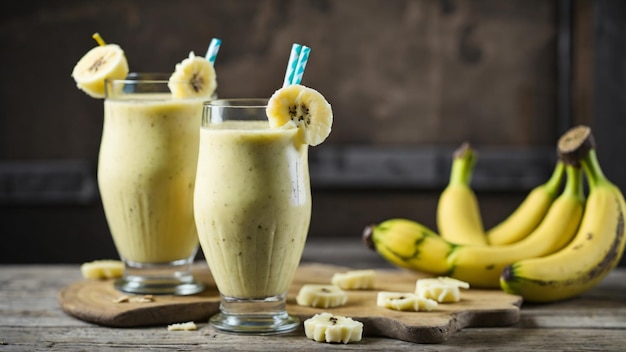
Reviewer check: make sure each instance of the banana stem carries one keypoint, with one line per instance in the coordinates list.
(592, 168)
(98, 39)
(574, 184)
(462, 165)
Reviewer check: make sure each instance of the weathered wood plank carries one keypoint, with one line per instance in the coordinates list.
(156, 339)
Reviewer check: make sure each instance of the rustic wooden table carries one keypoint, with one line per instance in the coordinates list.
(31, 319)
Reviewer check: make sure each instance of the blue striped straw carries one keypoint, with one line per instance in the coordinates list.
(214, 47)
(292, 64)
(302, 60)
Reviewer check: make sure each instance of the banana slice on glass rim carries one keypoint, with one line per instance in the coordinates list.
(194, 77)
(304, 108)
(106, 61)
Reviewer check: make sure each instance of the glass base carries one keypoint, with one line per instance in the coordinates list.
(254, 316)
(173, 278)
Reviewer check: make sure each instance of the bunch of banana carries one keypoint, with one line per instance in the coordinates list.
(595, 250)
(409, 244)
(576, 241)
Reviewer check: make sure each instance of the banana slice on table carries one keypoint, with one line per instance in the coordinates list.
(303, 107)
(440, 289)
(321, 296)
(354, 280)
(98, 64)
(194, 77)
(188, 326)
(404, 301)
(325, 327)
(102, 269)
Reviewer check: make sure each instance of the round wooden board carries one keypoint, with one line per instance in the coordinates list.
(93, 301)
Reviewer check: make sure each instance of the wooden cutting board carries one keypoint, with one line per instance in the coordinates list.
(93, 301)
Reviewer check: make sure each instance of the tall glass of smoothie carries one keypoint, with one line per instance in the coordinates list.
(252, 207)
(146, 176)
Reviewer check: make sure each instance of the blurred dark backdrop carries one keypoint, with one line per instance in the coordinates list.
(408, 80)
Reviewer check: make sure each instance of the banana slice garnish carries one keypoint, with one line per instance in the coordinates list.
(321, 296)
(98, 64)
(304, 108)
(440, 289)
(355, 280)
(325, 327)
(404, 301)
(194, 77)
(102, 269)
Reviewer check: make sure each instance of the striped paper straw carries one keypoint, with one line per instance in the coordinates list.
(292, 64)
(302, 60)
(214, 47)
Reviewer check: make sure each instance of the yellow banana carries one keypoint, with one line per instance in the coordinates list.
(529, 214)
(458, 214)
(410, 245)
(481, 266)
(595, 250)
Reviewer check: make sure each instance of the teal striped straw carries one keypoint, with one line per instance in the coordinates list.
(292, 64)
(302, 60)
(214, 47)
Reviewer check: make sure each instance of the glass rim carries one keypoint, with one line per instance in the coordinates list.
(143, 77)
(241, 103)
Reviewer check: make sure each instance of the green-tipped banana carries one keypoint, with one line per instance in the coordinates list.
(410, 245)
(597, 246)
(481, 266)
(529, 214)
(458, 214)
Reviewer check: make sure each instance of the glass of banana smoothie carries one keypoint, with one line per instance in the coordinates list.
(252, 207)
(146, 176)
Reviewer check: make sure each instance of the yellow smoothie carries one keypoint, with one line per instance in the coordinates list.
(146, 174)
(252, 206)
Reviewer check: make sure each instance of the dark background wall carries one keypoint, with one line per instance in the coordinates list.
(408, 81)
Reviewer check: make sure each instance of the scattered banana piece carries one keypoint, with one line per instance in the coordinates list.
(142, 299)
(355, 280)
(102, 269)
(404, 301)
(441, 289)
(121, 299)
(304, 108)
(321, 296)
(134, 299)
(194, 77)
(325, 327)
(188, 326)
